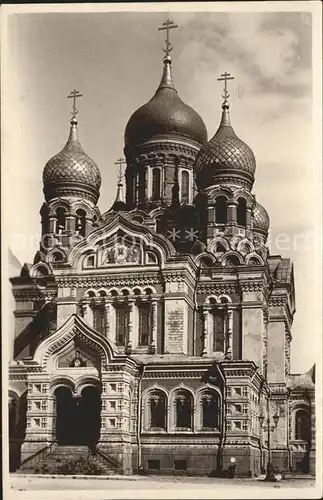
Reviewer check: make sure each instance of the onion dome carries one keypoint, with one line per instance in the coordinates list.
(165, 114)
(71, 172)
(261, 220)
(225, 158)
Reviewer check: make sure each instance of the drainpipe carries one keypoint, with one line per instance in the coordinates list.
(141, 370)
(198, 274)
(219, 464)
(289, 450)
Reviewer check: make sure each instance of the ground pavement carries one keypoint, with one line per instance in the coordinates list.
(138, 487)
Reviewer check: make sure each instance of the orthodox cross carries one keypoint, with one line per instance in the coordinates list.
(120, 162)
(225, 77)
(166, 26)
(74, 95)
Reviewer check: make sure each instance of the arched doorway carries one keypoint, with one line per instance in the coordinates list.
(78, 419)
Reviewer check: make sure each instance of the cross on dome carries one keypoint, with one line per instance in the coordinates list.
(225, 77)
(74, 95)
(167, 26)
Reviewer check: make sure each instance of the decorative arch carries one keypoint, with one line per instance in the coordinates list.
(154, 408)
(90, 293)
(59, 203)
(56, 255)
(301, 423)
(232, 259)
(226, 297)
(40, 269)
(254, 259)
(74, 327)
(181, 408)
(205, 258)
(61, 381)
(87, 381)
(216, 242)
(245, 246)
(209, 404)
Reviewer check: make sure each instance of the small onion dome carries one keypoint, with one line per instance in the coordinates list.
(119, 203)
(165, 114)
(71, 172)
(261, 220)
(225, 158)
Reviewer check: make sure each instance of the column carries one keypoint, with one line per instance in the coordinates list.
(228, 347)
(153, 344)
(129, 340)
(232, 212)
(107, 319)
(52, 225)
(205, 348)
(149, 182)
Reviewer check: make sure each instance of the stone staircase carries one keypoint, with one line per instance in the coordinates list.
(59, 454)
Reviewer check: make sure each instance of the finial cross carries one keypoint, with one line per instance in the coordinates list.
(225, 77)
(167, 26)
(74, 95)
(120, 162)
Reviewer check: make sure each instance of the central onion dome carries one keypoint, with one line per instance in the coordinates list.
(71, 172)
(165, 114)
(225, 158)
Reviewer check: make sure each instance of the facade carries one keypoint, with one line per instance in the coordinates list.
(159, 330)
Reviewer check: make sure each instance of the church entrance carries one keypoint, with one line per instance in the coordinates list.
(78, 419)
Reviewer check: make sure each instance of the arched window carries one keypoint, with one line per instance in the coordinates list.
(61, 220)
(144, 313)
(57, 257)
(184, 409)
(156, 184)
(157, 404)
(242, 212)
(122, 324)
(81, 222)
(302, 425)
(210, 409)
(99, 318)
(219, 329)
(221, 210)
(185, 187)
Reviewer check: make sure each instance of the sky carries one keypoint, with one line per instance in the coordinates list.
(115, 60)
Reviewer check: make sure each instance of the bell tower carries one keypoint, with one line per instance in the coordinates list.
(72, 183)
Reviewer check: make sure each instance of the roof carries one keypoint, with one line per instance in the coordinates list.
(302, 380)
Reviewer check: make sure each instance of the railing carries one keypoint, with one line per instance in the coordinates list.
(38, 456)
(111, 461)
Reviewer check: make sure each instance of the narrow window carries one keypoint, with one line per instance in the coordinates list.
(142, 185)
(221, 210)
(242, 212)
(210, 410)
(184, 409)
(157, 402)
(144, 324)
(61, 219)
(99, 319)
(302, 425)
(218, 330)
(122, 324)
(156, 184)
(81, 222)
(185, 187)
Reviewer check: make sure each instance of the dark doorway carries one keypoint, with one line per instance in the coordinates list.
(78, 420)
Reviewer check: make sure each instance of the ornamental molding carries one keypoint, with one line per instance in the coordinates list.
(217, 288)
(252, 286)
(277, 301)
(35, 296)
(175, 374)
(103, 281)
(147, 151)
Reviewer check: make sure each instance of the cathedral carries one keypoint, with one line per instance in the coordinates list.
(160, 330)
